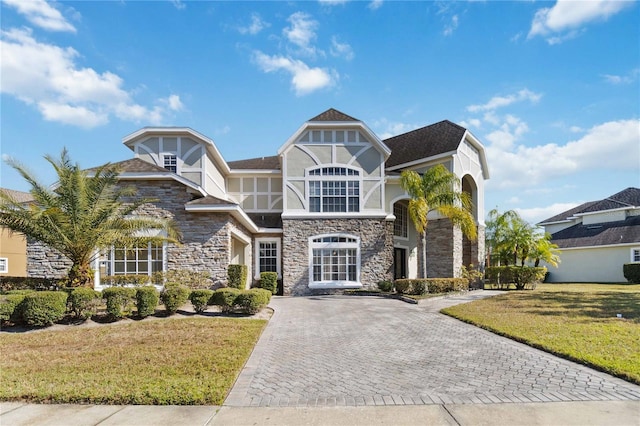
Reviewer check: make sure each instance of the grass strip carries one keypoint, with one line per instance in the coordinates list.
(192, 361)
(577, 322)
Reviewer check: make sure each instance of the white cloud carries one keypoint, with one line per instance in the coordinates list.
(47, 76)
(538, 214)
(452, 26)
(302, 32)
(41, 14)
(502, 101)
(257, 25)
(569, 16)
(341, 49)
(614, 145)
(375, 4)
(179, 4)
(623, 79)
(304, 79)
(508, 133)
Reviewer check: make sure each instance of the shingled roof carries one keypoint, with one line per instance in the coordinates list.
(260, 163)
(210, 200)
(136, 165)
(425, 142)
(19, 196)
(333, 115)
(609, 233)
(629, 197)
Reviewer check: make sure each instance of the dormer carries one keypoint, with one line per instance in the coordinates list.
(333, 166)
(182, 151)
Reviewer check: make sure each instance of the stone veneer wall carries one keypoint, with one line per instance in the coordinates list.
(445, 249)
(376, 250)
(45, 262)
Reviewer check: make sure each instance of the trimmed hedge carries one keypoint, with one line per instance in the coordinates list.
(119, 301)
(386, 286)
(83, 302)
(269, 281)
(43, 308)
(523, 277)
(173, 297)
(9, 303)
(200, 299)
(185, 277)
(225, 298)
(125, 280)
(237, 276)
(430, 285)
(29, 283)
(252, 301)
(631, 272)
(147, 299)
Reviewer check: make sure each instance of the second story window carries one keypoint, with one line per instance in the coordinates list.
(334, 189)
(171, 162)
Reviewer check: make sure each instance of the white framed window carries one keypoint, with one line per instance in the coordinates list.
(401, 224)
(4, 265)
(267, 256)
(170, 162)
(334, 261)
(143, 260)
(334, 190)
(635, 254)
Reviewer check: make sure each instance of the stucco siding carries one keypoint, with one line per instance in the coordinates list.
(591, 265)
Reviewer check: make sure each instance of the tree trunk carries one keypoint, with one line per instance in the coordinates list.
(80, 275)
(422, 255)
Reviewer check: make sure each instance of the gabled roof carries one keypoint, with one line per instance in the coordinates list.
(629, 197)
(260, 163)
(18, 196)
(333, 115)
(609, 233)
(136, 165)
(429, 141)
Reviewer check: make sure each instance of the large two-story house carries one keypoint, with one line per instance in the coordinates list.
(326, 212)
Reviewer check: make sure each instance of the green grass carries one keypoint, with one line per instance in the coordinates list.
(575, 321)
(169, 361)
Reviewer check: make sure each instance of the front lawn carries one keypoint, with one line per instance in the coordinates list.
(575, 321)
(169, 361)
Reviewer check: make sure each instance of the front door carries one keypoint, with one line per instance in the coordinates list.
(399, 263)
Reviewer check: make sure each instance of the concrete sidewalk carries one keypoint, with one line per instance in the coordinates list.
(614, 413)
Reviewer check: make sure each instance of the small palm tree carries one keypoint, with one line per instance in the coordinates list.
(543, 249)
(436, 190)
(81, 215)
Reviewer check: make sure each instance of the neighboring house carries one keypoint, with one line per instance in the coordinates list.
(326, 212)
(597, 238)
(13, 245)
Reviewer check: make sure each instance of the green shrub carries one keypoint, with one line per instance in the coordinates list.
(473, 275)
(269, 281)
(446, 285)
(522, 277)
(173, 297)
(386, 286)
(419, 287)
(125, 280)
(237, 276)
(43, 308)
(84, 302)
(147, 299)
(184, 277)
(631, 272)
(403, 286)
(9, 303)
(29, 283)
(200, 299)
(119, 301)
(225, 298)
(252, 301)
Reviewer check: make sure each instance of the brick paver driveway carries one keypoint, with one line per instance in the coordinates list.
(346, 350)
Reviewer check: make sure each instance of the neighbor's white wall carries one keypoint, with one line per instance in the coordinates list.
(591, 265)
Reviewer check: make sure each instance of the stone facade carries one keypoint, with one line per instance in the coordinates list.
(376, 250)
(45, 262)
(448, 250)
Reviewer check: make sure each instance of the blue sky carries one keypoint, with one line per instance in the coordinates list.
(552, 89)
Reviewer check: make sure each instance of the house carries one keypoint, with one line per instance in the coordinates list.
(326, 212)
(597, 238)
(13, 245)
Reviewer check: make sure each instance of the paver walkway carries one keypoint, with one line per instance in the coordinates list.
(348, 351)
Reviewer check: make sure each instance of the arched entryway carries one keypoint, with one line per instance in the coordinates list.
(470, 248)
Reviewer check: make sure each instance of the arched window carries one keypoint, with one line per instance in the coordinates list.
(334, 261)
(334, 189)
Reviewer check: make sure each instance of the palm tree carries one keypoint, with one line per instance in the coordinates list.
(81, 214)
(544, 249)
(509, 236)
(436, 190)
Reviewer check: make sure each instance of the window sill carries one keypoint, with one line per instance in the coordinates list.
(334, 284)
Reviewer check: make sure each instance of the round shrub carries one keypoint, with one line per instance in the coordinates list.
(147, 299)
(225, 298)
(386, 286)
(200, 299)
(8, 304)
(119, 301)
(269, 281)
(252, 301)
(84, 302)
(43, 308)
(173, 297)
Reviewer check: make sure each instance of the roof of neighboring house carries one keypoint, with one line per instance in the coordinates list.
(629, 197)
(425, 142)
(333, 115)
(266, 220)
(19, 196)
(210, 200)
(609, 233)
(259, 163)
